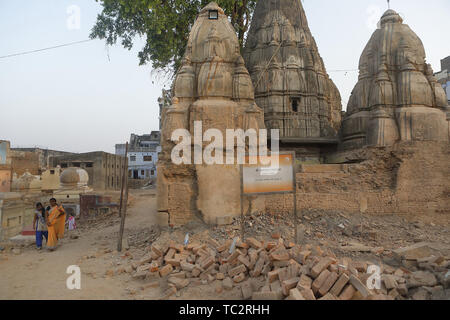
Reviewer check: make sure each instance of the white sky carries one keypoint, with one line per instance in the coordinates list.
(88, 97)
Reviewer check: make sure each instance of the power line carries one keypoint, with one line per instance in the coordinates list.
(88, 40)
(44, 49)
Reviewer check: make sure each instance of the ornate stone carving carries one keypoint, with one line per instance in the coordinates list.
(289, 76)
(397, 96)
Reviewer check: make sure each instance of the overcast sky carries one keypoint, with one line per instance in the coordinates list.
(88, 97)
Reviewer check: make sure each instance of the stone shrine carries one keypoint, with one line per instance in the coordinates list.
(212, 87)
(397, 98)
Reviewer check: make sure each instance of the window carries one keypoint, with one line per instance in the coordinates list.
(142, 173)
(213, 14)
(52, 171)
(295, 103)
(89, 164)
(63, 165)
(152, 172)
(147, 158)
(76, 164)
(132, 158)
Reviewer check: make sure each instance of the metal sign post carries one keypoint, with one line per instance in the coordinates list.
(123, 200)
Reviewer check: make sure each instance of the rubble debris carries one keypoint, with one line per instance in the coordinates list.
(277, 269)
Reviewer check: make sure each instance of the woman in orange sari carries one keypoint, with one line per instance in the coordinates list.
(56, 218)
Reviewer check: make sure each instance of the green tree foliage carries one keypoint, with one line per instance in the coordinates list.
(164, 24)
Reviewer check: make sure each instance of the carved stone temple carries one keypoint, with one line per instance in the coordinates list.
(397, 104)
(214, 87)
(397, 98)
(290, 79)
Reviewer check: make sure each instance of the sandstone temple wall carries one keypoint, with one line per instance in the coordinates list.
(404, 179)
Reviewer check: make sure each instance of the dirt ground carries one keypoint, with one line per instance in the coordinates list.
(33, 274)
(30, 274)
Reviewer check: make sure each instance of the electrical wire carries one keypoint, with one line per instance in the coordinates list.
(44, 49)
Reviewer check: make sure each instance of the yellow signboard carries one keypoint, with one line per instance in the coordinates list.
(269, 174)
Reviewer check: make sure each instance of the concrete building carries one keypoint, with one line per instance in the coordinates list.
(443, 77)
(16, 212)
(104, 169)
(40, 155)
(142, 155)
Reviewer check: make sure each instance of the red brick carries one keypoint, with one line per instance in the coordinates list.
(280, 255)
(320, 266)
(252, 242)
(294, 294)
(239, 278)
(166, 270)
(348, 293)
(329, 282)
(170, 254)
(244, 261)
(339, 285)
(246, 290)
(239, 269)
(157, 250)
(302, 256)
(179, 283)
(173, 262)
(187, 266)
(359, 286)
(320, 280)
(307, 293)
(287, 285)
(207, 263)
(272, 276)
(304, 282)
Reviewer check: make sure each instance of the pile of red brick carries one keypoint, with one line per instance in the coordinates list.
(274, 270)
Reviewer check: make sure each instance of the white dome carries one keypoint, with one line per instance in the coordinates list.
(74, 178)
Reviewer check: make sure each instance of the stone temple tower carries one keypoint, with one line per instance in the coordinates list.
(290, 79)
(213, 88)
(397, 98)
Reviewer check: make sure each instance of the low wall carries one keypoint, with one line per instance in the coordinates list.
(405, 179)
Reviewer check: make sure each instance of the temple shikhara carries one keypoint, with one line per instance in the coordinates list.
(212, 87)
(291, 82)
(397, 98)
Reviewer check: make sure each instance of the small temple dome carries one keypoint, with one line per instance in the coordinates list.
(74, 177)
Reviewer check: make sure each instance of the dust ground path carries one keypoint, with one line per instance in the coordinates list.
(42, 275)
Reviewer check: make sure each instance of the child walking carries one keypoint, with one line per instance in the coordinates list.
(71, 222)
(40, 225)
